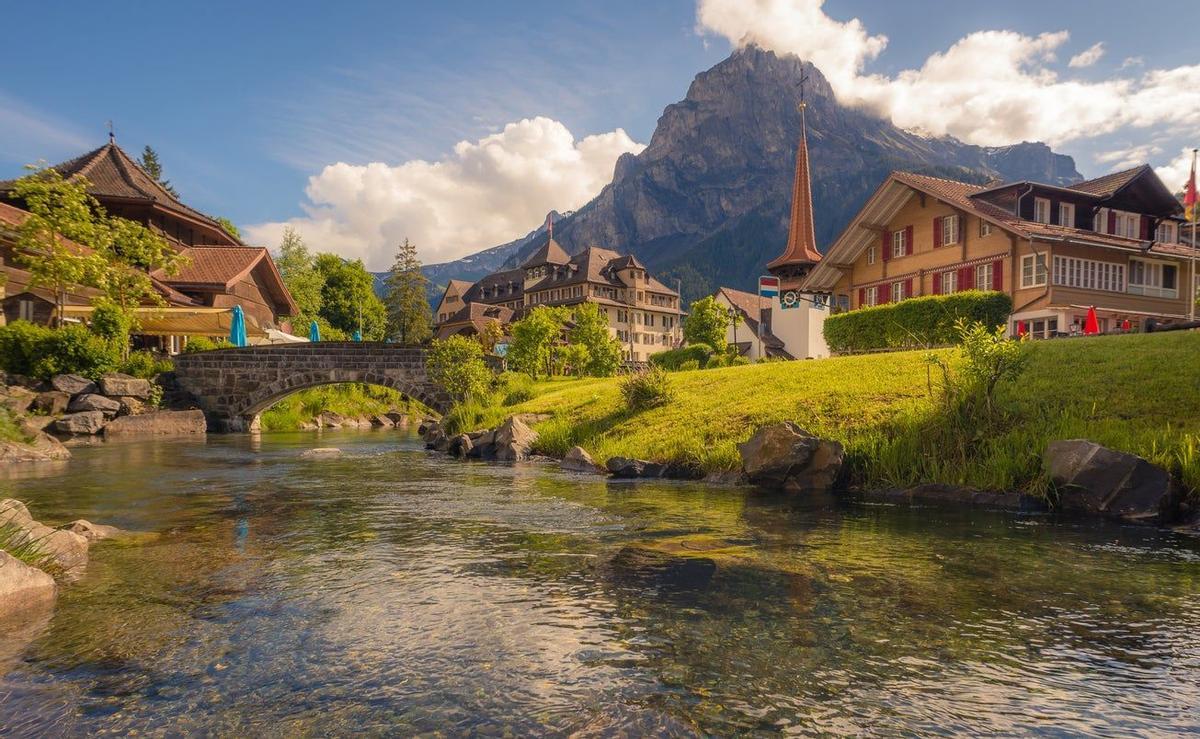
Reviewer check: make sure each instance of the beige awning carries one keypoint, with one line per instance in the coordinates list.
(178, 321)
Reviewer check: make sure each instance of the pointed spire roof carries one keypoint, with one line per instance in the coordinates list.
(548, 253)
(802, 239)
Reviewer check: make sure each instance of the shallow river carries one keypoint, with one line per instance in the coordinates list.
(393, 592)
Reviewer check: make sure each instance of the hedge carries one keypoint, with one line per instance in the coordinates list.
(674, 359)
(916, 322)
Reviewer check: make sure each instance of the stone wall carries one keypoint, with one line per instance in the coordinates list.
(234, 385)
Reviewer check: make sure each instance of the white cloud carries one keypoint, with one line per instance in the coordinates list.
(990, 87)
(1133, 61)
(1133, 156)
(1087, 57)
(487, 192)
(1175, 173)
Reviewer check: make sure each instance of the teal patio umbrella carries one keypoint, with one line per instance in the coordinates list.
(237, 328)
(314, 332)
(358, 335)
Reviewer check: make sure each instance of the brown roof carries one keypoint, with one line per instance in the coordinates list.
(802, 239)
(1109, 184)
(548, 253)
(113, 173)
(219, 267)
(751, 307)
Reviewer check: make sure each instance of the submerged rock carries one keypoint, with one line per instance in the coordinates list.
(23, 588)
(1091, 478)
(324, 452)
(92, 531)
(783, 456)
(158, 423)
(578, 460)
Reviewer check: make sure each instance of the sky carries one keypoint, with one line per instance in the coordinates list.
(460, 124)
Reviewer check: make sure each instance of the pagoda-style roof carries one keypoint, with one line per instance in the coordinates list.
(113, 175)
(549, 253)
(801, 247)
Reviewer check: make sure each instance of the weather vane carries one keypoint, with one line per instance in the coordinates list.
(112, 133)
(803, 79)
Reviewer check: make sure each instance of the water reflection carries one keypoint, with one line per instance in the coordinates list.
(390, 591)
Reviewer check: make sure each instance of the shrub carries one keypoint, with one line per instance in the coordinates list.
(673, 359)
(20, 346)
(516, 388)
(40, 352)
(111, 322)
(647, 389)
(456, 365)
(916, 322)
(689, 365)
(205, 344)
(146, 365)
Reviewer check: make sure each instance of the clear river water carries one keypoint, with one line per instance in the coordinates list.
(391, 591)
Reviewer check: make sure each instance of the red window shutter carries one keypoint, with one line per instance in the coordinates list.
(937, 232)
(908, 240)
(998, 275)
(937, 283)
(1145, 227)
(1112, 222)
(886, 245)
(966, 278)
(862, 296)
(908, 288)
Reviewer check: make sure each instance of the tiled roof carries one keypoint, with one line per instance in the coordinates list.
(802, 241)
(1109, 184)
(215, 265)
(548, 253)
(113, 173)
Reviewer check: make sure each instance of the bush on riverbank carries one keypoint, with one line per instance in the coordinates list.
(40, 352)
(1125, 392)
(914, 323)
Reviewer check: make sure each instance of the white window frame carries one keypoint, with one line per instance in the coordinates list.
(1038, 205)
(1063, 210)
(985, 228)
(896, 290)
(1100, 221)
(949, 282)
(1149, 276)
(983, 276)
(1128, 225)
(870, 255)
(1088, 274)
(1031, 275)
(871, 296)
(1171, 232)
(951, 229)
(899, 243)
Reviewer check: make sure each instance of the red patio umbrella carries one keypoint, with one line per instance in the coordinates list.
(1126, 325)
(1092, 325)
(1020, 329)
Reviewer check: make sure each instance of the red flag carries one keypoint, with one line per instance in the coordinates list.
(1092, 325)
(1190, 211)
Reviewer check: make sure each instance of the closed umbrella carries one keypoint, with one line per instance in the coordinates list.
(237, 328)
(1126, 325)
(358, 335)
(1091, 326)
(314, 332)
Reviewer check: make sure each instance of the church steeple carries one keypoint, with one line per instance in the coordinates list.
(801, 253)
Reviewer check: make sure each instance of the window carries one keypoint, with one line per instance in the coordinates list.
(871, 255)
(1100, 221)
(1089, 274)
(1037, 328)
(1066, 214)
(1127, 225)
(871, 295)
(949, 230)
(983, 276)
(897, 291)
(843, 303)
(25, 310)
(948, 282)
(1167, 233)
(1154, 279)
(899, 243)
(1041, 210)
(1033, 270)
(985, 228)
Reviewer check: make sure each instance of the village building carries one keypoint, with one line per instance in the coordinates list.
(220, 272)
(1112, 243)
(789, 320)
(643, 314)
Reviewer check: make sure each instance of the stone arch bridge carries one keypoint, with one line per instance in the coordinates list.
(233, 386)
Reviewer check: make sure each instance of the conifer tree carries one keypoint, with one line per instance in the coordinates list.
(409, 315)
(153, 167)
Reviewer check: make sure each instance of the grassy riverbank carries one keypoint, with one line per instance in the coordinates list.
(349, 400)
(1139, 393)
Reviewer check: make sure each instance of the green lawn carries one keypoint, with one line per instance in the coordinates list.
(1139, 393)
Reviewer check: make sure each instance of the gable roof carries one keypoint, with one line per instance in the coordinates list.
(1109, 184)
(220, 267)
(112, 173)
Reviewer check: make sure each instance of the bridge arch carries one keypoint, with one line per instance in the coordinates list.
(233, 386)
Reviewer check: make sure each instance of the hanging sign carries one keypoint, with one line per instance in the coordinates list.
(790, 299)
(768, 286)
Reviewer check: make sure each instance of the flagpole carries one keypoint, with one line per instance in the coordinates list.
(1195, 222)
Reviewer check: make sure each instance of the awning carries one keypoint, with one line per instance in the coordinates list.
(178, 321)
(275, 336)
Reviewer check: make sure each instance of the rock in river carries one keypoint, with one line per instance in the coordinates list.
(94, 402)
(80, 424)
(460, 446)
(117, 384)
(23, 587)
(784, 456)
(513, 440)
(73, 384)
(321, 452)
(158, 423)
(578, 460)
(1095, 479)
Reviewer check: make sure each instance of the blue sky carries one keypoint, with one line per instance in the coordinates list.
(246, 101)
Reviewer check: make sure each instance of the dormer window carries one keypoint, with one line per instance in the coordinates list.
(1041, 210)
(1066, 214)
(1167, 233)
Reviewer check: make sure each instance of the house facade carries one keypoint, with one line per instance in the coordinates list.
(643, 314)
(751, 331)
(1113, 243)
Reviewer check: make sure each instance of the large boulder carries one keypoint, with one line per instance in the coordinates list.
(94, 402)
(1094, 479)
(116, 384)
(382, 421)
(16, 399)
(783, 456)
(73, 384)
(158, 423)
(578, 460)
(330, 420)
(80, 424)
(22, 587)
(459, 446)
(41, 447)
(397, 418)
(131, 406)
(65, 549)
(14, 512)
(513, 440)
(51, 403)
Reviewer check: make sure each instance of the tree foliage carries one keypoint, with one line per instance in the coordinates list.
(297, 266)
(409, 317)
(229, 226)
(707, 324)
(590, 331)
(150, 162)
(456, 365)
(533, 339)
(348, 299)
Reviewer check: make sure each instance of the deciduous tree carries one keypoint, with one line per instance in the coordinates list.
(298, 268)
(591, 332)
(348, 299)
(456, 365)
(533, 338)
(706, 324)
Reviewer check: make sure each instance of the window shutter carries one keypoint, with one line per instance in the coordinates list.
(886, 245)
(1145, 227)
(862, 297)
(998, 275)
(966, 278)
(1112, 222)
(937, 283)
(908, 240)
(937, 232)
(908, 288)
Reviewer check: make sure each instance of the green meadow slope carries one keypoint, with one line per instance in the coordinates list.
(1138, 393)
